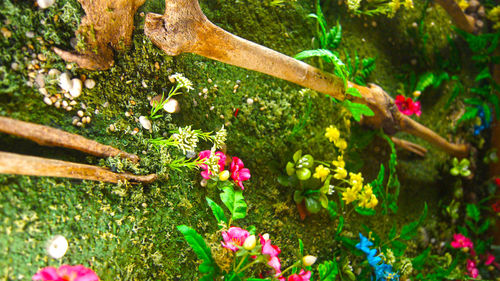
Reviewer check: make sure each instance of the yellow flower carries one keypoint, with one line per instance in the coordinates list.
(367, 199)
(321, 172)
(463, 4)
(341, 143)
(332, 133)
(356, 180)
(349, 195)
(408, 4)
(339, 162)
(340, 173)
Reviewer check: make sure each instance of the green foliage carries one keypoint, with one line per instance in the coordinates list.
(359, 70)
(357, 109)
(235, 202)
(328, 271)
(218, 212)
(472, 212)
(410, 230)
(208, 267)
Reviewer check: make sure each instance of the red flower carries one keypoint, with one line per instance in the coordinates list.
(272, 251)
(238, 172)
(407, 106)
(497, 182)
(496, 206)
(460, 241)
(66, 273)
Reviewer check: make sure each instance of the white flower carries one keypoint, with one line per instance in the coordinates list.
(57, 247)
(183, 81)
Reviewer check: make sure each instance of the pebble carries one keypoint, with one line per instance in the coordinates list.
(41, 57)
(5, 32)
(44, 4)
(473, 6)
(249, 101)
(79, 113)
(171, 79)
(146, 124)
(481, 12)
(69, 108)
(209, 80)
(53, 99)
(43, 91)
(79, 124)
(89, 83)
(76, 90)
(479, 24)
(73, 103)
(65, 81)
(172, 106)
(75, 120)
(205, 90)
(112, 128)
(14, 66)
(47, 100)
(144, 85)
(54, 72)
(212, 107)
(30, 34)
(374, 23)
(127, 114)
(40, 80)
(57, 104)
(414, 24)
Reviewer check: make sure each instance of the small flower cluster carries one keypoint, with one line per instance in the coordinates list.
(182, 81)
(467, 246)
(382, 270)
(364, 194)
(481, 122)
(407, 106)
(238, 239)
(66, 273)
(214, 164)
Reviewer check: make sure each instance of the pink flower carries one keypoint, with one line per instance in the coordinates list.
(268, 248)
(205, 154)
(408, 106)
(238, 172)
(496, 206)
(233, 238)
(460, 241)
(302, 276)
(66, 273)
(275, 263)
(472, 269)
(489, 259)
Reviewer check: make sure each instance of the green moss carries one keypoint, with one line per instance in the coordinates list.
(128, 232)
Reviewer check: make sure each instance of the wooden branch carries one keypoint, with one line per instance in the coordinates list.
(184, 28)
(11, 163)
(107, 24)
(460, 19)
(48, 136)
(415, 148)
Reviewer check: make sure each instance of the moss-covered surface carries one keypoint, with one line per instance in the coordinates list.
(128, 232)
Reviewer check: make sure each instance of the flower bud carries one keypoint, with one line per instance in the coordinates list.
(465, 249)
(249, 243)
(203, 182)
(57, 247)
(224, 175)
(308, 260)
(265, 236)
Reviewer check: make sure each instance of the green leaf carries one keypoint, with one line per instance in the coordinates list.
(484, 74)
(473, 212)
(235, 202)
(470, 113)
(208, 266)
(392, 233)
(483, 227)
(353, 92)
(357, 109)
(419, 261)
(425, 80)
(328, 271)
(365, 211)
(409, 230)
(217, 211)
(398, 248)
(301, 247)
(341, 225)
(297, 155)
(332, 209)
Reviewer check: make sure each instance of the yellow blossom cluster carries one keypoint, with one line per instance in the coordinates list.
(359, 192)
(321, 172)
(333, 135)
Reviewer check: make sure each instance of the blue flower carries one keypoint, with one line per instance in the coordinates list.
(382, 270)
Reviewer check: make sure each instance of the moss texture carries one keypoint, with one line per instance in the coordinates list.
(128, 232)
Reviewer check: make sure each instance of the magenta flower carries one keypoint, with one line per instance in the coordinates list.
(460, 241)
(275, 263)
(268, 248)
(472, 269)
(238, 172)
(205, 154)
(489, 259)
(233, 238)
(407, 106)
(302, 276)
(66, 273)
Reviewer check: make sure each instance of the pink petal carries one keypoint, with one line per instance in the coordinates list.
(47, 273)
(275, 263)
(244, 174)
(206, 174)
